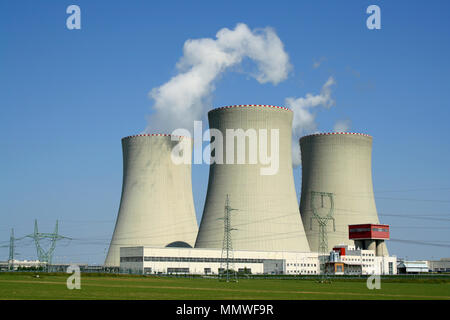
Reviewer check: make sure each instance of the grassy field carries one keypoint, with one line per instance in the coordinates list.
(53, 286)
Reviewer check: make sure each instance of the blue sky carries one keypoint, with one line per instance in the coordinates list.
(67, 97)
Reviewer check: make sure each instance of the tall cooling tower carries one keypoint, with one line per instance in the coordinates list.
(337, 163)
(156, 208)
(266, 216)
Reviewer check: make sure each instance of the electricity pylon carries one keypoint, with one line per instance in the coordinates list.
(46, 256)
(227, 259)
(322, 222)
(11, 251)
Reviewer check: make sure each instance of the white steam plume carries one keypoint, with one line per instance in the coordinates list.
(304, 121)
(185, 97)
(342, 125)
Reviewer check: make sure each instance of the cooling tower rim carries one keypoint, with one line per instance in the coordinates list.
(337, 133)
(251, 105)
(155, 135)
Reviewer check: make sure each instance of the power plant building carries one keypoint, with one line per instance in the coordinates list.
(338, 164)
(267, 217)
(250, 189)
(156, 207)
(147, 260)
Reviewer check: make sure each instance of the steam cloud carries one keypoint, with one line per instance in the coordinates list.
(185, 97)
(342, 125)
(304, 121)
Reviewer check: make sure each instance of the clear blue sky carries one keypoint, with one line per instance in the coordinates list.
(67, 97)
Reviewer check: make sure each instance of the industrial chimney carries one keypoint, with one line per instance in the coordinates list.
(266, 216)
(156, 207)
(338, 164)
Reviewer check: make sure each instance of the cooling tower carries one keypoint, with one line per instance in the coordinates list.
(156, 207)
(337, 163)
(266, 216)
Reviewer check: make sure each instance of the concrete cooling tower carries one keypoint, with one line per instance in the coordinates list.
(266, 216)
(340, 164)
(156, 208)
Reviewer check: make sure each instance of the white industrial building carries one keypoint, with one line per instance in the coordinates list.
(412, 267)
(21, 264)
(150, 260)
(442, 265)
(349, 260)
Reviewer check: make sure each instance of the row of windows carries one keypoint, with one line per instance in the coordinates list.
(359, 230)
(302, 271)
(130, 259)
(177, 270)
(368, 229)
(191, 259)
(357, 260)
(380, 229)
(301, 264)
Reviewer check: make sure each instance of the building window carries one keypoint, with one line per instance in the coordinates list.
(245, 270)
(130, 259)
(177, 270)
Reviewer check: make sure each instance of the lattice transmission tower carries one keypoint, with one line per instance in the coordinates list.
(11, 251)
(322, 221)
(227, 259)
(46, 256)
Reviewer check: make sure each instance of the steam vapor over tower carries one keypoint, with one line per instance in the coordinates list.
(156, 207)
(267, 216)
(338, 163)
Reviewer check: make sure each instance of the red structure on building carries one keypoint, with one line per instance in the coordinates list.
(369, 236)
(368, 231)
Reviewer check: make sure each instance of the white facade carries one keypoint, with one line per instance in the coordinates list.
(413, 266)
(150, 260)
(156, 207)
(365, 262)
(26, 264)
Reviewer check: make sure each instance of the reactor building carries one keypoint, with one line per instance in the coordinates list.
(266, 216)
(337, 183)
(156, 206)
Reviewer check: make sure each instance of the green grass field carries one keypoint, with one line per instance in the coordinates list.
(53, 286)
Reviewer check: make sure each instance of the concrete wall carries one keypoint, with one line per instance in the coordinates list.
(338, 163)
(156, 206)
(267, 215)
